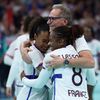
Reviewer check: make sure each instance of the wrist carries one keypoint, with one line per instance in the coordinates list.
(66, 62)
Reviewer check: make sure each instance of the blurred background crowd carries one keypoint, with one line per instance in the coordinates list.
(13, 12)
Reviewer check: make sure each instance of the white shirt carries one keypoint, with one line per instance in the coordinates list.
(16, 63)
(69, 85)
(81, 44)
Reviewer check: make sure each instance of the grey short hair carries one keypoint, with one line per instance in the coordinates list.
(65, 12)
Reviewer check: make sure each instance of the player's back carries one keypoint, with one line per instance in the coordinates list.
(69, 82)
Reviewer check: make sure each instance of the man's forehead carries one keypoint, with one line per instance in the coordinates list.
(55, 12)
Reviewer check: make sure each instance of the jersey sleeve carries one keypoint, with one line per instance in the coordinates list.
(36, 58)
(40, 81)
(91, 78)
(14, 70)
(12, 74)
(81, 44)
(9, 55)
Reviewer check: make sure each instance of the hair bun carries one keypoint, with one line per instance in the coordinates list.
(77, 31)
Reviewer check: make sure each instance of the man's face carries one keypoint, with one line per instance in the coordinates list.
(54, 19)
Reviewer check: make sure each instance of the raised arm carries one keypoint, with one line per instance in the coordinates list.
(24, 49)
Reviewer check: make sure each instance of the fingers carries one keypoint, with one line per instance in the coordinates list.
(54, 56)
(22, 74)
(24, 53)
(56, 61)
(27, 43)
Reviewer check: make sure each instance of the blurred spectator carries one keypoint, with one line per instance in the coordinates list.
(94, 45)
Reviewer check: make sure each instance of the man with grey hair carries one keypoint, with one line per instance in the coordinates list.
(60, 12)
(60, 15)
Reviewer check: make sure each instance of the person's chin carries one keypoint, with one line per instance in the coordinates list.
(44, 51)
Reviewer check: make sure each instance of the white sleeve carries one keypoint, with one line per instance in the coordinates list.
(91, 78)
(9, 55)
(40, 81)
(8, 59)
(12, 74)
(14, 70)
(81, 44)
(36, 58)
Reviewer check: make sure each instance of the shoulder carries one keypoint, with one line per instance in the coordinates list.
(23, 37)
(81, 38)
(96, 41)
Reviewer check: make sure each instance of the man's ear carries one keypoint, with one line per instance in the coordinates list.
(65, 22)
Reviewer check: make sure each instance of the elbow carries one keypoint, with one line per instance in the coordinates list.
(7, 61)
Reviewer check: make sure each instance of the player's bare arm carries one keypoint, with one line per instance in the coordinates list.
(24, 48)
(85, 60)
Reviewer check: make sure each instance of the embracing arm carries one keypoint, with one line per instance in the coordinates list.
(40, 81)
(85, 59)
(24, 49)
(85, 55)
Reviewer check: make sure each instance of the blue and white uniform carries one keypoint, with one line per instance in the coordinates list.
(68, 82)
(16, 63)
(29, 93)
